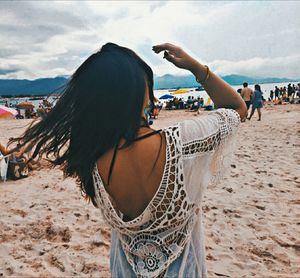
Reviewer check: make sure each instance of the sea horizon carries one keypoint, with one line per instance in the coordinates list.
(265, 87)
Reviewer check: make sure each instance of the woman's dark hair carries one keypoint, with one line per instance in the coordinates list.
(257, 88)
(101, 102)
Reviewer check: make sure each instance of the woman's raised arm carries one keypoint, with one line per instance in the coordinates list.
(222, 94)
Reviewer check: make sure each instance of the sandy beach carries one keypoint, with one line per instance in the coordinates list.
(252, 218)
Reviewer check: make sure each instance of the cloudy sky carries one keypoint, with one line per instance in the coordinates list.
(47, 39)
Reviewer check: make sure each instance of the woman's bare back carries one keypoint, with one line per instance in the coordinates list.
(136, 174)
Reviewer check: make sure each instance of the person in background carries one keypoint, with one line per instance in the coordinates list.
(181, 103)
(293, 91)
(277, 92)
(201, 102)
(22, 154)
(41, 112)
(160, 105)
(28, 113)
(257, 102)
(195, 106)
(289, 91)
(247, 94)
(19, 116)
(271, 95)
(189, 102)
(284, 93)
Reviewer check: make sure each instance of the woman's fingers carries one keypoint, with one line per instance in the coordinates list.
(168, 56)
(174, 54)
(165, 46)
(171, 58)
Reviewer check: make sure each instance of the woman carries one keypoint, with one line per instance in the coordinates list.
(257, 102)
(17, 166)
(148, 183)
(17, 152)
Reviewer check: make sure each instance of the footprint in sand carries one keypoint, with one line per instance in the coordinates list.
(58, 234)
(20, 212)
(53, 260)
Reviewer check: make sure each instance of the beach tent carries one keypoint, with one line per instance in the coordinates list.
(166, 97)
(6, 112)
(25, 105)
(180, 91)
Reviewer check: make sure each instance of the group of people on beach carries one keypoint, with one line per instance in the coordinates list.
(44, 108)
(289, 94)
(30, 112)
(285, 94)
(253, 98)
(191, 103)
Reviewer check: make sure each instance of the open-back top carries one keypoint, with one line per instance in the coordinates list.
(167, 237)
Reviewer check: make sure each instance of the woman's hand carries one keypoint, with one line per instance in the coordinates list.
(176, 55)
(220, 92)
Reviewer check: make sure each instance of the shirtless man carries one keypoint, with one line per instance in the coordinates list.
(247, 94)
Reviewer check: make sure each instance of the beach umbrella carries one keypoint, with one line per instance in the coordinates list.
(166, 97)
(180, 91)
(6, 112)
(25, 105)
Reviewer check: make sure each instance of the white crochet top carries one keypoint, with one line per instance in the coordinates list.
(196, 152)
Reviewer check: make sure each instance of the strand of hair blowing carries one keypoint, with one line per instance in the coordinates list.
(101, 103)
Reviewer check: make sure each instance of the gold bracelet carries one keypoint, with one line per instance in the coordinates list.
(206, 77)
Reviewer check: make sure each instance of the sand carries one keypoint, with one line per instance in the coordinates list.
(252, 218)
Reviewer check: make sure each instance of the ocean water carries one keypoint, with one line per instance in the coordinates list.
(158, 93)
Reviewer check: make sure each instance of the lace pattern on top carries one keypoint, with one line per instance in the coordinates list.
(152, 243)
(220, 143)
(153, 240)
(229, 121)
(210, 143)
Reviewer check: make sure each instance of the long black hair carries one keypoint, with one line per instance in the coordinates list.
(101, 102)
(257, 88)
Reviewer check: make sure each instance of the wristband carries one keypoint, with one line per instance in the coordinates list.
(206, 77)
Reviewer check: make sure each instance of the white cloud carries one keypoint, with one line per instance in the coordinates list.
(42, 39)
(287, 66)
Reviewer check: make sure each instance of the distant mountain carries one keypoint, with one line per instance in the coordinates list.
(44, 86)
(169, 81)
(235, 79)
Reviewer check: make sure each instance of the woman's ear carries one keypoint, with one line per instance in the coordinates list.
(146, 96)
(146, 101)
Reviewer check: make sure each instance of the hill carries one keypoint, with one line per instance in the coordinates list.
(169, 81)
(41, 86)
